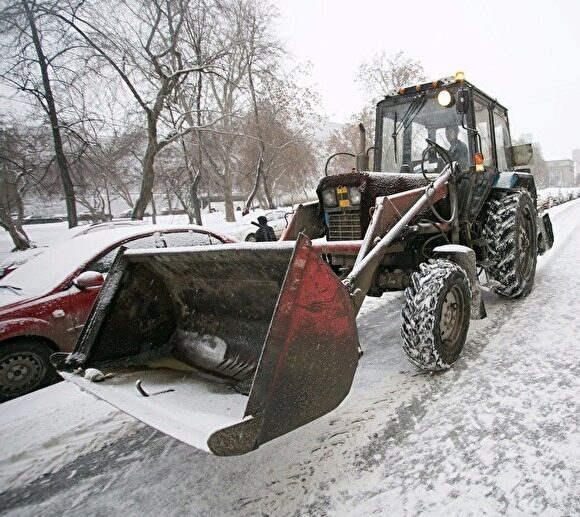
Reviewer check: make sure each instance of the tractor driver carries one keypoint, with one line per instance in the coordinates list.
(457, 149)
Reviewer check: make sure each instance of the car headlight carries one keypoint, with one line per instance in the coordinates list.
(329, 197)
(354, 194)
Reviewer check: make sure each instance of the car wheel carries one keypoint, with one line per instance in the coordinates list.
(24, 367)
(251, 237)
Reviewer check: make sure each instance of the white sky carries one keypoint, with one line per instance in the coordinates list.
(524, 53)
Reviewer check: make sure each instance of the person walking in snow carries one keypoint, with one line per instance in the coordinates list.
(265, 232)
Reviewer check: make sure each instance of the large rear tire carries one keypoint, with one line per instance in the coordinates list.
(511, 233)
(436, 315)
(24, 367)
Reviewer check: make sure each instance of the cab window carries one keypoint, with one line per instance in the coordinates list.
(483, 128)
(502, 139)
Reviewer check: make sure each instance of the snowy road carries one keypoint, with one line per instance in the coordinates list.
(497, 434)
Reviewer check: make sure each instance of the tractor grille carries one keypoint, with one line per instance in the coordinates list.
(344, 226)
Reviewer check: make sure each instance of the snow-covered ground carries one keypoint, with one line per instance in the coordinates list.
(498, 434)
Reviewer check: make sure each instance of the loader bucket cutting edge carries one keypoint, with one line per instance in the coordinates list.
(200, 321)
(309, 357)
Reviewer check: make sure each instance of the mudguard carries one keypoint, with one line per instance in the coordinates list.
(545, 234)
(512, 179)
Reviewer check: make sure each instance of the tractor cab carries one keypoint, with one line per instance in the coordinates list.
(406, 121)
(419, 129)
(453, 113)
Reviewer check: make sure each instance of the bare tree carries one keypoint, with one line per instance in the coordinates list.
(24, 23)
(282, 121)
(25, 169)
(256, 28)
(382, 74)
(143, 43)
(346, 140)
(253, 55)
(387, 72)
(120, 164)
(192, 69)
(12, 181)
(201, 31)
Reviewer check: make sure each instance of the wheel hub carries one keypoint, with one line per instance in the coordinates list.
(450, 317)
(19, 371)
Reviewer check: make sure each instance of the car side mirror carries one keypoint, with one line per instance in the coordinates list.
(519, 155)
(462, 101)
(89, 279)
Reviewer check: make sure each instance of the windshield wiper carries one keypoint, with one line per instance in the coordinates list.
(412, 111)
(11, 288)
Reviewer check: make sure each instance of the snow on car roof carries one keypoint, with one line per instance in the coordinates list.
(55, 265)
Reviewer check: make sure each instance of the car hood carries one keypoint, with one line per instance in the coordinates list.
(10, 300)
(241, 230)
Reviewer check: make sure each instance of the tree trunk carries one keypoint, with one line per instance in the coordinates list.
(20, 209)
(168, 199)
(20, 240)
(108, 200)
(153, 211)
(267, 193)
(197, 180)
(148, 180)
(228, 193)
(194, 199)
(61, 160)
(260, 165)
(250, 198)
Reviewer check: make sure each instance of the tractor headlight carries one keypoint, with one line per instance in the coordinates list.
(445, 99)
(329, 197)
(354, 194)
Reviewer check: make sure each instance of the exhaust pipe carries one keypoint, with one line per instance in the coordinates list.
(362, 159)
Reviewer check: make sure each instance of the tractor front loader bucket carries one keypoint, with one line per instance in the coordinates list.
(186, 334)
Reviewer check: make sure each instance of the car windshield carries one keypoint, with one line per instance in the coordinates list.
(50, 269)
(46, 271)
(405, 128)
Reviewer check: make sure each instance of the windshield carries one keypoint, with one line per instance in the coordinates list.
(49, 269)
(45, 272)
(405, 128)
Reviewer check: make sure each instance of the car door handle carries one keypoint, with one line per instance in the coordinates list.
(58, 313)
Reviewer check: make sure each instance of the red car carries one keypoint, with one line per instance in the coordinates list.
(45, 302)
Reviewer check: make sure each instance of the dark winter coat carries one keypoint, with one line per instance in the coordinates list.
(458, 153)
(265, 233)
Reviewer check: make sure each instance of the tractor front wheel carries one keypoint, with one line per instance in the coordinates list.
(436, 315)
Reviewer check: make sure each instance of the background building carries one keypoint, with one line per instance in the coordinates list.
(560, 173)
